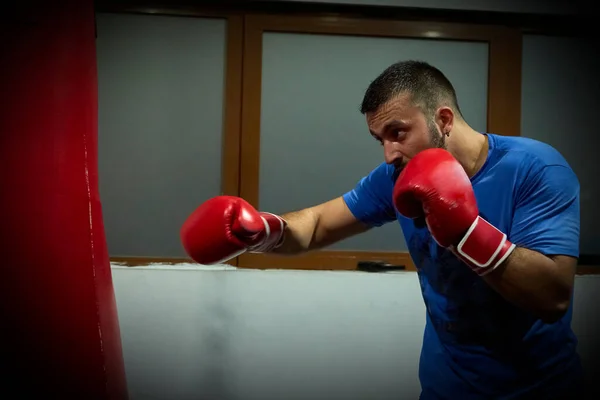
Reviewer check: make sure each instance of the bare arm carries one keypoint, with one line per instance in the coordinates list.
(540, 284)
(319, 226)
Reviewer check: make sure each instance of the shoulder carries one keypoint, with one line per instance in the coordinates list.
(533, 161)
(379, 183)
(382, 175)
(526, 151)
(371, 199)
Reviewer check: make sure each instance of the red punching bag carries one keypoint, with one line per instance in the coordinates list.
(60, 332)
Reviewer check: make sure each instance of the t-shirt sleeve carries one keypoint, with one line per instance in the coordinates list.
(371, 199)
(547, 215)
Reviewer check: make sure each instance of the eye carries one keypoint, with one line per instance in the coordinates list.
(400, 134)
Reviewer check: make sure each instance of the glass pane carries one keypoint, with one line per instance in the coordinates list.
(161, 88)
(314, 142)
(559, 90)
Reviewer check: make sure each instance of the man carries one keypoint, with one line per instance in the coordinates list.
(491, 222)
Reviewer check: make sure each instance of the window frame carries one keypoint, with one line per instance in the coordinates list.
(503, 113)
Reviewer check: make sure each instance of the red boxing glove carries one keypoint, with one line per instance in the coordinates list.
(435, 186)
(225, 227)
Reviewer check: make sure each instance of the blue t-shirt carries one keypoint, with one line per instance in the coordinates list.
(476, 344)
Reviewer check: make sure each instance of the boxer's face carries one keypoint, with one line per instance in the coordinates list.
(403, 130)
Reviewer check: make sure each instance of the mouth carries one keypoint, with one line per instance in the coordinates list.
(398, 167)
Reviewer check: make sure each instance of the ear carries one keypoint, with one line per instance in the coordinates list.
(444, 118)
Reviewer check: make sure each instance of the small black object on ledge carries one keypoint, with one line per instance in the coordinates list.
(378, 266)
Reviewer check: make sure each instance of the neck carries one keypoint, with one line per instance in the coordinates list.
(469, 147)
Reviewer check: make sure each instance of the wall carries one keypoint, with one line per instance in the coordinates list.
(192, 332)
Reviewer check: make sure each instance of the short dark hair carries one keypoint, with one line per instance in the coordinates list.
(427, 85)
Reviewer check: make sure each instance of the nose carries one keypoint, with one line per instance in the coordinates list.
(390, 153)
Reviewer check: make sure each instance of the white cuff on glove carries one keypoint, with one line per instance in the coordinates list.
(484, 247)
(274, 230)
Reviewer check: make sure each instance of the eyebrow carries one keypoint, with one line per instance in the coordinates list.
(395, 123)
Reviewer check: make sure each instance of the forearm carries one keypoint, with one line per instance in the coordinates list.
(299, 232)
(318, 227)
(534, 282)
